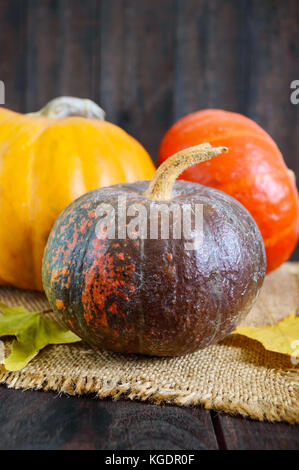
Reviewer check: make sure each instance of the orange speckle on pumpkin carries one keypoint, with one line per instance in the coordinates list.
(124, 296)
(84, 225)
(60, 304)
(97, 244)
(113, 308)
(103, 279)
(99, 320)
(67, 284)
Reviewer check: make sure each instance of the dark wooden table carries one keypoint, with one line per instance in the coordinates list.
(44, 420)
(147, 63)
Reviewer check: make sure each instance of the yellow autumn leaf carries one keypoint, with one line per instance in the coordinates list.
(283, 337)
(2, 352)
(33, 332)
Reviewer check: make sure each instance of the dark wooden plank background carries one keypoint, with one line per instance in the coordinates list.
(147, 63)
(39, 420)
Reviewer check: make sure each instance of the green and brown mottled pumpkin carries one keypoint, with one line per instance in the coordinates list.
(154, 296)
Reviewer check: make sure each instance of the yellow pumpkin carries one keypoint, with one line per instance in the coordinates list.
(48, 159)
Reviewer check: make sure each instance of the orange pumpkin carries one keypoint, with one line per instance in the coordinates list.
(254, 173)
(48, 159)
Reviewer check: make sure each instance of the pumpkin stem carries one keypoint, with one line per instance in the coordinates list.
(160, 188)
(66, 106)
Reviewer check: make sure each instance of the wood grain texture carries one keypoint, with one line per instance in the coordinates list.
(148, 63)
(137, 67)
(236, 433)
(40, 420)
(63, 53)
(210, 56)
(274, 54)
(13, 53)
(44, 420)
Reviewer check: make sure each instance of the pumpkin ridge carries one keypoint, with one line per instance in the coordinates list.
(212, 116)
(218, 315)
(115, 154)
(270, 241)
(141, 303)
(35, 253)
(231, 135)
(243, 183)
(6, 154)
(85, 176)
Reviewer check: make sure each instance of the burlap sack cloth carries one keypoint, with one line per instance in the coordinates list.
(237, 375)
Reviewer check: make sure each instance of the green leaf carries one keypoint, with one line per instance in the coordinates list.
(33, 332)
(2, 352)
